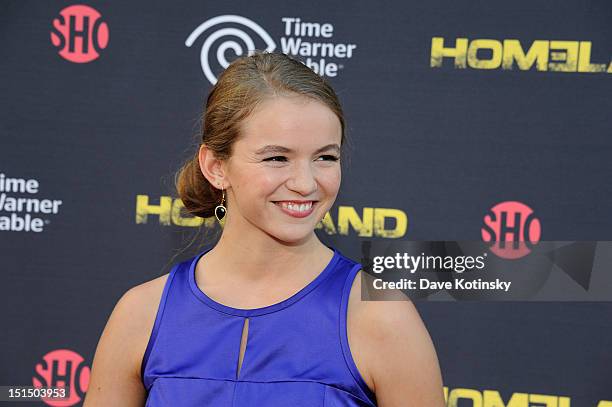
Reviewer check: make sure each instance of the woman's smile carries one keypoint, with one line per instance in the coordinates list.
(297, 209)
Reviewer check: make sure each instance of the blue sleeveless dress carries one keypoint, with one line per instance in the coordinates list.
(297, 351)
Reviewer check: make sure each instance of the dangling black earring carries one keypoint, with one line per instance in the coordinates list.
(221, 210)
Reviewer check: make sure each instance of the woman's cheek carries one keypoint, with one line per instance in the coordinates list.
(332, 179)
(270, 178)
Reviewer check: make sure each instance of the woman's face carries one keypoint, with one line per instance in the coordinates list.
(284, 172)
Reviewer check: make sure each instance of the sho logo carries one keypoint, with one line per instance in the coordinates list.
(79, 33)
(514, 222)
(63, 368)
(236, 47)
(310, 42)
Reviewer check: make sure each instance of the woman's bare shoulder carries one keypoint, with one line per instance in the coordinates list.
(393, 347)
(146, 296)
(143, 301)
(360, 316)
(138, 307)
(115, 376)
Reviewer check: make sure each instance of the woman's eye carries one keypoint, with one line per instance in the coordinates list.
(330, 157)
(280, 158)
(276, 158)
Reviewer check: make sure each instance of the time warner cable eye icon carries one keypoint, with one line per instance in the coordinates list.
(229, 43)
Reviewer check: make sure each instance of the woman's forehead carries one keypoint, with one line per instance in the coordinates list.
(291, 121)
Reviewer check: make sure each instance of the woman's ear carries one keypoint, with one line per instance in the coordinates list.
(212, 168)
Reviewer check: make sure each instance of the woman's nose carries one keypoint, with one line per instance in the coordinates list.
(302, 179)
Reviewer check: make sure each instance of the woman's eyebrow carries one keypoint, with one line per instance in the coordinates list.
(280, 149)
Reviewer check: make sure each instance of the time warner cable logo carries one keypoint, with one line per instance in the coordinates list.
(21, 210)
(302, 39)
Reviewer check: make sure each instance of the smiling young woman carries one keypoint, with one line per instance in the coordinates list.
(268, 315)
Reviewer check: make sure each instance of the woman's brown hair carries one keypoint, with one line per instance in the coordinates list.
(245, 83)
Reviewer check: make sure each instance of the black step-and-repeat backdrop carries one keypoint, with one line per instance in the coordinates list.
(455, 110)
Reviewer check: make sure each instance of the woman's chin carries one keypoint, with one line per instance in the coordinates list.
(294, 235)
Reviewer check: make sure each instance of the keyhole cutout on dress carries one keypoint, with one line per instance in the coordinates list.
(243, 344)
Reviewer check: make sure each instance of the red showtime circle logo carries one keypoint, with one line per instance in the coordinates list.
(512, 229)
(79, 33)
(61, 368)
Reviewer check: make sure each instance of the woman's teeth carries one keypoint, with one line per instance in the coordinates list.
(296, 207)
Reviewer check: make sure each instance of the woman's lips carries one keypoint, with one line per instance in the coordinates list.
(297, 209)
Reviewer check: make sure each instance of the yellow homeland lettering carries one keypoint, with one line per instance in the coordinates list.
(169, 212)
(465, 394)
(513, 52)
(439, 52)
(548, 401)
(401, 222)
(584, 59)
(492, 398)
(567, 57)
(348, 215)
(327, 224)
(555, 56)
(144, 209)
(370, 223)
(496, 54)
